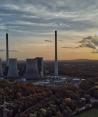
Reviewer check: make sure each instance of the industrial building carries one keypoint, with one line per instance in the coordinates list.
(12, 69)
(32, 71)
(1, 72)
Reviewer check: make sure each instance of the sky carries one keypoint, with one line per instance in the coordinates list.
(31, 25)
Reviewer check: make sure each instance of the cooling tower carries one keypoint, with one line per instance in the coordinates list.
(1, 73)
(40, 63)
(32, 71)
(12, 69)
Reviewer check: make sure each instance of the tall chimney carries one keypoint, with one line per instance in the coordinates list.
(56, 56)
(7, 48)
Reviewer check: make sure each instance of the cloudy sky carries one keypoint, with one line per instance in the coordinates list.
(31, 25)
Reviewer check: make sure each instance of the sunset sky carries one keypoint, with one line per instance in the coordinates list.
(31, 25)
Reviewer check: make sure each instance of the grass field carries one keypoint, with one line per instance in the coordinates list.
(90, 113)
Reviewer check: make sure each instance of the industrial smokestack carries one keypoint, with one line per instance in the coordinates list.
(56, 56)
(7, 48)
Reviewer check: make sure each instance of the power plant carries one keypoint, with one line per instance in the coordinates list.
(34, 67)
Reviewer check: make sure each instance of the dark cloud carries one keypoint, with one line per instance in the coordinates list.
(90, 42)
(70, 47)
(49, 41)
(30, 15)
(3, 50)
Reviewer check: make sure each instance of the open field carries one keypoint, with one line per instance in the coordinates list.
(90, 113)
(75, 68)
